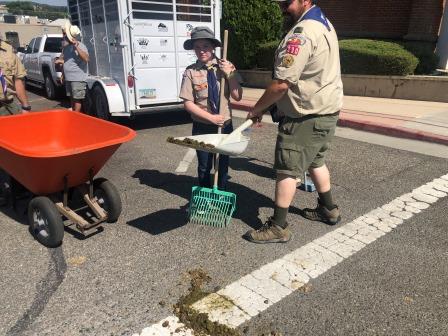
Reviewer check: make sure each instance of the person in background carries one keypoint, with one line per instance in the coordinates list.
(200, 93)
(307, 89)
(12, 82)
(75, 57)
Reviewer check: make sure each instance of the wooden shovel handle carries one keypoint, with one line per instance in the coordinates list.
(221, 103)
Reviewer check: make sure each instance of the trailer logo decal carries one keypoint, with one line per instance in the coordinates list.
(144, 58)
(147, 93)
(162, 28)
(143, 42)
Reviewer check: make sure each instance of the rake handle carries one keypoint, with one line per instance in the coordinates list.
(221, 105)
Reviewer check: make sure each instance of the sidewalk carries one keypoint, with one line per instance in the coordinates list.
(419, 120)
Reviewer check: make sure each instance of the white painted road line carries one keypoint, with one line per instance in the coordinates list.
(257, 291)
(185, 163)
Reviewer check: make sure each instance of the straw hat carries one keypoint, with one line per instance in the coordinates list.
(72, 32)
(199, 33)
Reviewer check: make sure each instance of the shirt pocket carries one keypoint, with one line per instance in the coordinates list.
(200, 88)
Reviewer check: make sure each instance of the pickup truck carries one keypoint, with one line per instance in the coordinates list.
(39, 63)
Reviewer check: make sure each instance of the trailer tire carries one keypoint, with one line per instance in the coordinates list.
(99, 103)
(49, 86)
(45, 222)
(108, 198)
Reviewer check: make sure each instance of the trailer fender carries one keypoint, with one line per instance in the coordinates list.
(113, 93)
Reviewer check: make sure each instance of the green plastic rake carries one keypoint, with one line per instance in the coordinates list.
(210, 206)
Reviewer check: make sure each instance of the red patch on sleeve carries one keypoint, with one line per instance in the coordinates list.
(292, 49)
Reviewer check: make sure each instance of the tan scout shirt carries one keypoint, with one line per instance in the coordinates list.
(12, 69)
(308, 58)
(195, 88)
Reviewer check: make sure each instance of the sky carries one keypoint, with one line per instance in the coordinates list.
(48, 2)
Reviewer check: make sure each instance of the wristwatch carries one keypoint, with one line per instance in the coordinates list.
(26, 108)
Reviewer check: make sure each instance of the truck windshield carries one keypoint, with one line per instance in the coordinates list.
(53, 44)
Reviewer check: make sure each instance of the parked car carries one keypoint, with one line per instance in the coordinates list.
(39, 63)
(20, 52)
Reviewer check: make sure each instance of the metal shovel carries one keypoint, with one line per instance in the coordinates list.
(232, 144)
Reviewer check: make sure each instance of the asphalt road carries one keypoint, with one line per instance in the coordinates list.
(128, 276)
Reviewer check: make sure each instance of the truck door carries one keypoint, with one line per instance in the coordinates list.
(27, 58)
(34, 60)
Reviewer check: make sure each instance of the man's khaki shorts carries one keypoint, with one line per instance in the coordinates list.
(302, 143)
(76, 90)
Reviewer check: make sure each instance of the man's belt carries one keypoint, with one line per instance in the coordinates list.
(311, 116)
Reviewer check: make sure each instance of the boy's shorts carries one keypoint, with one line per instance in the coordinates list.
(76, 90)
(303, 142)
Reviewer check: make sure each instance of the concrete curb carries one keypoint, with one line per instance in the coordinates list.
(369, 126)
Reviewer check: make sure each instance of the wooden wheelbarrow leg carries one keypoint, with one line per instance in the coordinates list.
(81, 223)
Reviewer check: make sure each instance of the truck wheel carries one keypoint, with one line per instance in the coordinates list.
(45, 222)
(50, 88)
(108, 198)
(100, 104)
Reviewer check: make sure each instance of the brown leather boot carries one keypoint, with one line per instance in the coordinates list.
(322, 214)
(269, 233)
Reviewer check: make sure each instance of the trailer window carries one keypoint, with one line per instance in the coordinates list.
(153, 10)
(73, 10)
(53, 44)
(194, 10)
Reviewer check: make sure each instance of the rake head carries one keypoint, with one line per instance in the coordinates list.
(211, 207)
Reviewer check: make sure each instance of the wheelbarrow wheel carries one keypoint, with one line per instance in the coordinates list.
(108, 198)
(45, 222)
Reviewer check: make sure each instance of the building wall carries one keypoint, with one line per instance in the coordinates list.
(27, 32)
(408, 19)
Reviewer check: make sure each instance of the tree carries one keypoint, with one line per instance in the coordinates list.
(250, 23)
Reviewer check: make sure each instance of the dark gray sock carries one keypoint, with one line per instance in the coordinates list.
(326, 200)
(279, 217)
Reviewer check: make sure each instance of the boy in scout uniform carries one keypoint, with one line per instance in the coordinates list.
(12, 74)
(307, 89)
(200, 93)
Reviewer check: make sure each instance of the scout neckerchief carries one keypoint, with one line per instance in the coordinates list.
(213, 92)
(316, 14)
(3, 82)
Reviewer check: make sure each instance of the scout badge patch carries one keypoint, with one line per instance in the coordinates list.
(287, 61)
(293, 44)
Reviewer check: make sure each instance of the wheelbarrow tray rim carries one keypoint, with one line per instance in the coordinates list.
(128, 135)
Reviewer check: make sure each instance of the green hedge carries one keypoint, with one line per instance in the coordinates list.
(369, 57)
(358, 56)
(250, 22)
(424, 51)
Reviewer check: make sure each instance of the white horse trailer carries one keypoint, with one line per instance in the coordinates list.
(136, 50)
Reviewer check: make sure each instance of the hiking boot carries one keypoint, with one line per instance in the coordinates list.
(268, 233)
(322, 214)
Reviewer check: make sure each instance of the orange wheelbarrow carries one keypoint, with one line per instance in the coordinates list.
(56, 154)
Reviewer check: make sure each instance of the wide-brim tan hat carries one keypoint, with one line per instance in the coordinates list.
(72, 32)
(199, 33)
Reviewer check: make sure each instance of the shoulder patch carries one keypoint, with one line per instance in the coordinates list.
(287, 61)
